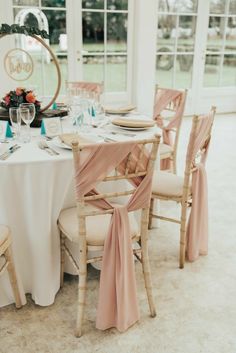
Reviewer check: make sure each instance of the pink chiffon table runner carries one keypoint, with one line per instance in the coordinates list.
(117, 305)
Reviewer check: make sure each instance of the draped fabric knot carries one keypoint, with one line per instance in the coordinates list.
(161, 103)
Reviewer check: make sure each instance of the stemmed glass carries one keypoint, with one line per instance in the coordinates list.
(27, 113)
(15, 121)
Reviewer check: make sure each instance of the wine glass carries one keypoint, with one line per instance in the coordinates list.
(15, 121)
(27, 113)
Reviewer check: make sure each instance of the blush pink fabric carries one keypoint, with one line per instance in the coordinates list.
(117, 305)
(163, 98)
(87, 86)
(197, 230)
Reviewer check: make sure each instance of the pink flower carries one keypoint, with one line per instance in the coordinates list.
(19, 91)
(7, 100)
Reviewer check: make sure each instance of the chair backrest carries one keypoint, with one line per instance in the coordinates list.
(94, 87)
(198, 145)
(168, 110)
(132, 161)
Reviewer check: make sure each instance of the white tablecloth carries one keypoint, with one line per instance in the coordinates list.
(34, 188)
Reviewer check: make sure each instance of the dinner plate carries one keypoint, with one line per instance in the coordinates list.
(85, 140)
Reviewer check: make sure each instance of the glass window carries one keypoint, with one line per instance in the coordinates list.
(181, 6)
(105, 52)
(175, 43)
(117, 4)
(53, 3)
(93, 4)
(26, 2)
(93, 31)
(221, 44)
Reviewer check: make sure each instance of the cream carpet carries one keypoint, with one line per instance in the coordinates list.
(196, 306)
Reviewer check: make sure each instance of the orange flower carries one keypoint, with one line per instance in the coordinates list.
(30, 97)
(19, 91)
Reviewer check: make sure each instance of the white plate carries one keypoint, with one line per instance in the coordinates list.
(133, 128)
(58, 143)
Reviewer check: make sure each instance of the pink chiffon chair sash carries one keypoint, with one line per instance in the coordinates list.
(163, 98)
(87, 86)
(197, 229)
(117, 305)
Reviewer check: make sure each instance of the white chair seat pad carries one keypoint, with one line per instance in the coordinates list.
(167, 184)
(4, 233)
(96, 226)
(165, 149)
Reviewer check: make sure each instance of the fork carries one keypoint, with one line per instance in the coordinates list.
(44, 146)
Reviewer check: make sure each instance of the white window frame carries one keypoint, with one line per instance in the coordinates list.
(75, 52)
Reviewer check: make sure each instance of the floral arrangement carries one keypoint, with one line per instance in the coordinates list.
(18, 96)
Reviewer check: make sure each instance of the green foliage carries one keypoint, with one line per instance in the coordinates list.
(27, 30)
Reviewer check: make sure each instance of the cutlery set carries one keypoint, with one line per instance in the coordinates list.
(9, 152)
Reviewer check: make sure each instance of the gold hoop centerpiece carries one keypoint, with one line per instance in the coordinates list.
(21, 71)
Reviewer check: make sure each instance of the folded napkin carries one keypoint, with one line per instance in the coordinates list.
(69, 138)
(133, 122)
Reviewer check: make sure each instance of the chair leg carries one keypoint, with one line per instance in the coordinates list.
(81, 301)
(150, 214)
(182, 236)
(13, 279)
(145, 262)
(62, 241)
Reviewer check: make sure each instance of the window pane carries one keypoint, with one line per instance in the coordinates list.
(93, 31)
(215, 33)
(26, 2)
(183, 74)
(186, 33)
(30, 19)
(93, 4)
(211, 75)
(116, 73)
(117, 4)
(57, 28)
(164, 70)
(93, 68)
(178, 6)
(166, 32)
(230, 44)
(228, 77)
(117, 32)
(217, 7)
(232, 7)
(53, 3)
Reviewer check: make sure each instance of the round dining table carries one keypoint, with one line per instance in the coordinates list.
(34, 187)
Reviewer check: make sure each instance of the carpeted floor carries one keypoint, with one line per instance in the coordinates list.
(196, 306)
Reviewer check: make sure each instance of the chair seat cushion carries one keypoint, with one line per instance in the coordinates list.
(165, 149)
(167, 184)
(96, 226)
(4, 233)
